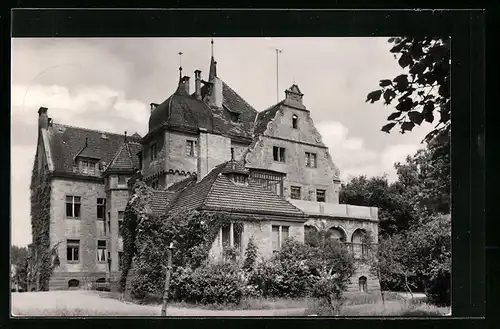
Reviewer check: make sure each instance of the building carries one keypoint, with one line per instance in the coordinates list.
(205, 149)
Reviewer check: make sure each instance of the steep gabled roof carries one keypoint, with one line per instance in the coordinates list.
(235, 103)
(264, 117)
(194, 196)
(66, 142)
(126, 157)
(217, 192)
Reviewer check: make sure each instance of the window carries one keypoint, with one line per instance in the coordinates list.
(225, 237)
(191, 148)
(101, 208)
(155, 184)
(153, 152)
(311, 160)
(101, 250)
(294, 121)
(73, 251)
(285, 232)
(120, 260)
(121, 215)
(87, 167)
(73, 206)
(122, 180)
(279, 234)
(279, 154)
(295, 192)
(320, 195)
(241, 179)
(73, 283)
(362, 284)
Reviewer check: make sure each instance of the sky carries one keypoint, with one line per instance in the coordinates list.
(108, 84)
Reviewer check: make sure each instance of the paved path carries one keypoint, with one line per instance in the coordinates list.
(88, 303)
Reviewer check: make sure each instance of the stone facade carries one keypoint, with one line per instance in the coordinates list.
(87, 229)
(216, 127)
(261, 232)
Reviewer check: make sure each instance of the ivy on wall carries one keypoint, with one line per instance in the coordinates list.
(45, 259)
(146, 239)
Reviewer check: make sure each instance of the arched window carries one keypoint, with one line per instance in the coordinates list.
(359, 248)
(73, 283)
(337, 233)
(362, 284)
(294, 121)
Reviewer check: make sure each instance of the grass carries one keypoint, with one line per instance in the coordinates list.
(247, 303)
(80, 312)
(372, 305)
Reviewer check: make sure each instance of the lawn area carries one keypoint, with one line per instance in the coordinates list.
(92, 303)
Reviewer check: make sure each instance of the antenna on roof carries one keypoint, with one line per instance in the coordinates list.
(180, 65)
(278, 51)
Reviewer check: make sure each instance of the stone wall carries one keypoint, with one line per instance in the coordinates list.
(152, 167)
(297, 142)
(261, 233)
(87, 229)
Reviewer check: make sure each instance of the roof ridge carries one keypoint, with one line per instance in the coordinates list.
(88, 129)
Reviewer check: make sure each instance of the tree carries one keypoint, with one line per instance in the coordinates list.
(425, 178)
(395, 211)
(423, 91)
(420, 256)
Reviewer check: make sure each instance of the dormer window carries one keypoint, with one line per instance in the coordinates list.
(294, 121)
(87, 167)
(240, 179)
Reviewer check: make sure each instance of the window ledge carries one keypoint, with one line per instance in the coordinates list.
(77, 218)
(72, 262)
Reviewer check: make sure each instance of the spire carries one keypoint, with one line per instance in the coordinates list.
(213, 64)
(125, 137)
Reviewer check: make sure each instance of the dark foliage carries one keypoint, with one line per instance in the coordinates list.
(423, 91)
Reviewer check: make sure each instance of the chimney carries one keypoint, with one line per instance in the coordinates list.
(197, 84)
(203, 166)
(43, 119)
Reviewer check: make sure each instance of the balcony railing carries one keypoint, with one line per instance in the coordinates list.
(336, 210)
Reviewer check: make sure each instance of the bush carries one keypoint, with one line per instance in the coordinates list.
(299, 270)
(287, 273)
(250, 255)
(219, 283)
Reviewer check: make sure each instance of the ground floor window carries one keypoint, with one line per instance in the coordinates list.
(101, 251)
(279, 234)
(230, 240)
(73, 283)
(362, 284)
(73, 251)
